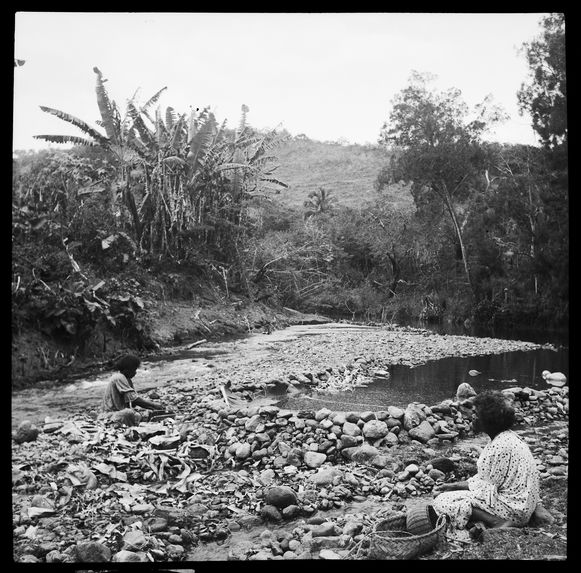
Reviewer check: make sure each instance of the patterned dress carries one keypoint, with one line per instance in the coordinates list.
(506, 485)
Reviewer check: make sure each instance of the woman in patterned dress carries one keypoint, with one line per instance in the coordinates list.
(505, 491)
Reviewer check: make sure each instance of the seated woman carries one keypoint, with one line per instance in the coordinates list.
(505, 491)
(120, 396)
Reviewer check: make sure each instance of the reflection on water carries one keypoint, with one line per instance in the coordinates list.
(558, 337)
(438, 380)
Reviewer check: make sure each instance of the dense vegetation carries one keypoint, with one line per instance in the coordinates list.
(433, 222)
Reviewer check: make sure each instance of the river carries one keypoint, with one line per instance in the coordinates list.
(427, 383)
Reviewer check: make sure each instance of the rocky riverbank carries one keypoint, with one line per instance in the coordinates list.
(259, 482)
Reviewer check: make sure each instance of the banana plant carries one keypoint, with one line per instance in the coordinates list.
(181, 176)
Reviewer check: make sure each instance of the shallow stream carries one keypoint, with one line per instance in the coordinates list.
(427, 383)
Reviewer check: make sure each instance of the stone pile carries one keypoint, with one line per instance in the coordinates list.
(277, 466)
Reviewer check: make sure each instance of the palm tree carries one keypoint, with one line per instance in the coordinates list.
(319, 201)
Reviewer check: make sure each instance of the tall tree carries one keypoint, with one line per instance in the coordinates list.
(438, 149)
(544, 95)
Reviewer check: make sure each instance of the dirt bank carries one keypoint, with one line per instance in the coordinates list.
(170, 323)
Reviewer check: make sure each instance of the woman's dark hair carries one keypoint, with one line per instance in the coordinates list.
(127, 362)
(495, 412)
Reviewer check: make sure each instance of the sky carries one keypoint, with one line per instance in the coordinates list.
(330, 76)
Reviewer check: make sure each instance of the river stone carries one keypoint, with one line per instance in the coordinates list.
(413, 415)
(350, 441)
(391, 439)
(134, 540)
(279, 462)
(280, 496)
(395, 412)
(375, 429)
(165, 442)
(436, 474)
(266, 476)
(124, 556)
(269, 410)
(381, 461)
(364, 453)
(284, 448)
(338, 418)
(92, 551)
(252, 423)
(393, 423)
(26, 432)
(326, 529)
(41, 501)
(443, 464)
(291, 511)
(295, 457)
(423, 432)
(270, 513)
(155, 524)
(351, 429)
(329, 555)
(314, 459)
(464, 391)
(443, 407)
(324, 476)
(322, 414)
(29, 558)
(243, 451)
(326, 424)
(367, 416)
(352, 417)
(56, 556)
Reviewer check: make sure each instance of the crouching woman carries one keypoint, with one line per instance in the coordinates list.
(505, 491)
(120, 397)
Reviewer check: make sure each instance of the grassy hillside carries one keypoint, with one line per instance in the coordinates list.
(347, 171)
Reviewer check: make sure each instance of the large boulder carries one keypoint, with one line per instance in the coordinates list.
(280, 496)
(423, 432)
(413, 416)
(464, 391)
(375, 429)
(351, 429)
(26, 432)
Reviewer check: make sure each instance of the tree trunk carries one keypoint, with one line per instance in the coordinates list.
(396, 273)
(450, 208)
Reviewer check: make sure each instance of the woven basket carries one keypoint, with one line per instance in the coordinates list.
(390, 540)
(421, 518)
